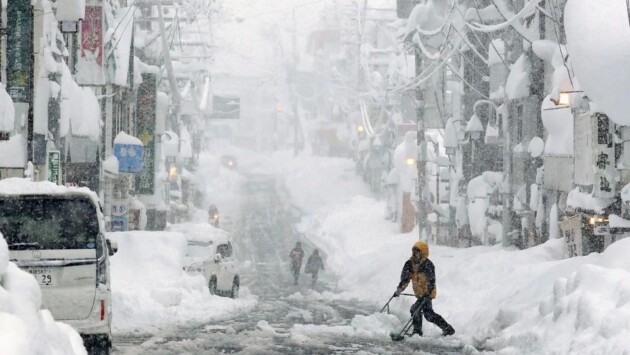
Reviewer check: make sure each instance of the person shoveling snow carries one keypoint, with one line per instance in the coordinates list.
(421, 272)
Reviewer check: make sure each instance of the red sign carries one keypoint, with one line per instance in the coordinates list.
(90, 66)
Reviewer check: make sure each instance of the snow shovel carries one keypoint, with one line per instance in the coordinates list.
(401, 335)
(386, 306)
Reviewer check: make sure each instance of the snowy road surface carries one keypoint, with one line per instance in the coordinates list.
(288, 319)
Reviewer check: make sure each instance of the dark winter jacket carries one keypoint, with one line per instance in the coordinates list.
(296, 255)
(421, 274)
(313, 264)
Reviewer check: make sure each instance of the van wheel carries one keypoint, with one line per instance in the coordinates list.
(235, 287)
(212, 285)
(97, 344)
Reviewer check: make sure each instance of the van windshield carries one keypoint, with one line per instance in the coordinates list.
(48, 223)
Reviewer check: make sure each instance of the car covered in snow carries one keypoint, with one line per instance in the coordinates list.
(210, 252)
(56, 234)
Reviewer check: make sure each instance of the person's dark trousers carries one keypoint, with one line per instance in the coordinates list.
(426, 308)
(295, 267)
(314, 279)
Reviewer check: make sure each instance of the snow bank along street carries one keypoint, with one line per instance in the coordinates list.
(24, 328)
(314, 177)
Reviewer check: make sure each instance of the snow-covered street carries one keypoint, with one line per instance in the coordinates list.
(273, 315)
(498, 299)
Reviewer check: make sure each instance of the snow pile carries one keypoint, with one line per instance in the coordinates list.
(508, 300)
(24, 328)
(586, 311)
(150, 290)
(598, 38)
(374, 325)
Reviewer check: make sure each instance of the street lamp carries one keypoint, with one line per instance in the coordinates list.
(360, 128)
(474, 128)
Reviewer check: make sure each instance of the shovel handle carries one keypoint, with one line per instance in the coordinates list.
(387, 305)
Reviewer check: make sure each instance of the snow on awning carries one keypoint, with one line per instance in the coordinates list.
(70, 10)
(80, 109)
(7, 111)
(587, 202)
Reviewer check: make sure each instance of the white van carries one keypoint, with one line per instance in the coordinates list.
(210, 252)
(57, 234)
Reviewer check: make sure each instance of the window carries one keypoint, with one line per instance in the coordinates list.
(225, 250)
(37, 223)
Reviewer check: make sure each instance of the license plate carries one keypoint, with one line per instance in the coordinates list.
(44, 277)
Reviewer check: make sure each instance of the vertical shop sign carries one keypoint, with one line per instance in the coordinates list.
(90, 68)
(146, 101)
(120, 218)
(603, 157)
(19, 50)
(53, 167)
(572, 232)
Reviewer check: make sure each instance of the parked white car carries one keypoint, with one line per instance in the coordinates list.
(57, 234)
(210, 251)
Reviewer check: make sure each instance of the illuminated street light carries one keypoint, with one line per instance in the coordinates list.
(360, 128)
(172, 173)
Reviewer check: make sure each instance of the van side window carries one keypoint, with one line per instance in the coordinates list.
(225, 250)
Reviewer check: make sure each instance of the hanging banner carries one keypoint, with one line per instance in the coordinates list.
(90, 68)
(19, 50)
(603, 157)
(145, 128)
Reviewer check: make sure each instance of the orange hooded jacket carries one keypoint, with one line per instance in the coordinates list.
(421, 274)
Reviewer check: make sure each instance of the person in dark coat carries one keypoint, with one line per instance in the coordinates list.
(421, 272)
(313, 264)
(296, 255)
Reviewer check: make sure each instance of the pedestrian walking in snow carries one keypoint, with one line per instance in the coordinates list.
(296, 255)
(313, 264)
(421, 272)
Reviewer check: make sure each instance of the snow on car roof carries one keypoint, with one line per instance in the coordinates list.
(201, 232)
(20, 186)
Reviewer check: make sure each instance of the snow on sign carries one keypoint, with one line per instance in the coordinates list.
(226, 107)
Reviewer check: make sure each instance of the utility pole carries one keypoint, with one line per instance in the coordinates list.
(293, 86)
(420, 162)
(167, 61)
